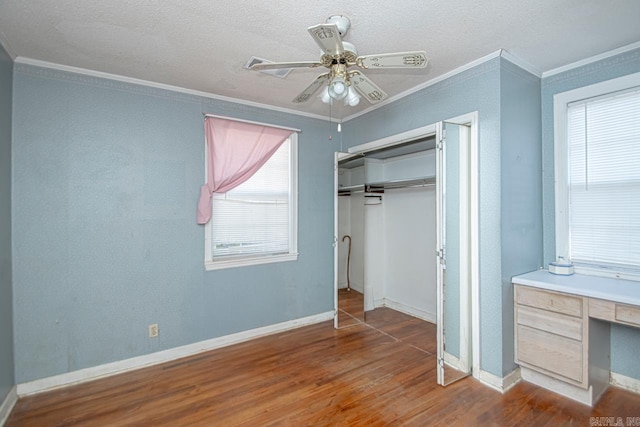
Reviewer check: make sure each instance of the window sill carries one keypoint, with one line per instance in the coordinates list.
(210, 265)
(608, 273)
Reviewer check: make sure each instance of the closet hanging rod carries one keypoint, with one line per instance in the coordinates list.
(407, 183)
(251, 122)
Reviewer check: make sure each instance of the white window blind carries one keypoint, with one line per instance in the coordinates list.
(604, 181)
(254, 218)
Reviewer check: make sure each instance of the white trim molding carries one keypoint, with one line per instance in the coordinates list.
(425, 85)
(8, 404)
(61, 67)
(503, 384)
(211, 265)
(532, 69)
(131, 80)
(627, 383)
(407, 309)
(473, 262)
(390, 141)
(5, 44)
(561, 102)
(108, 369)
(498, 53)
(591, 59)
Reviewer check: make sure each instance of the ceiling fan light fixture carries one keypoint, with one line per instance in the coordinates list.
(338, 88)
(338, 56)
(324, 95)
(352, 98)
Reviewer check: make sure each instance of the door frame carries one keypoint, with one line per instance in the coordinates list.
(472, 336)
(464, 362)
(470, 119)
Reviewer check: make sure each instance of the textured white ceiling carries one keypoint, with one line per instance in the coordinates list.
(203, 44)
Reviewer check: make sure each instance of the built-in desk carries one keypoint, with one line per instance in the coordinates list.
(562, 329)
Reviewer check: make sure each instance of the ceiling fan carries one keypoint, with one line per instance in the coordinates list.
(338, 56)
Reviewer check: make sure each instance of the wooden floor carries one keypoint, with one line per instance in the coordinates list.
(375, 374)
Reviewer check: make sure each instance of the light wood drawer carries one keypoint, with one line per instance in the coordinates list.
(601, 309)
(628, 314)
(559, 324)
(547, 300)
(553, 353)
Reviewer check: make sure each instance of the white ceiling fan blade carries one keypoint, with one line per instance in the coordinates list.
(306, 94)
(367, 88)
(417, 59)
(328, 38)
(280, 65)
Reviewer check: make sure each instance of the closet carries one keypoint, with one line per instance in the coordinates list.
(387, 215)
(406, 212)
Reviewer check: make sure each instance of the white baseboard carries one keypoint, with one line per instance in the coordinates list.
(8, 404)
(407, 309)
(358, 287)
(101, 371)
(500, 384)
(627, 383)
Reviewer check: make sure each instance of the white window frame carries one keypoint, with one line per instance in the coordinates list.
(211, 263)
(561, 166)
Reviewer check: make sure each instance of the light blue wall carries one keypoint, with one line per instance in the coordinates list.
(507, 99)
(477, 89)
(6, 294)
(106, 178)
(521, 188)
(625, 342)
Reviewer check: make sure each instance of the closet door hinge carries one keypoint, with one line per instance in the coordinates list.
(443, 137)
(335, 241)
(441, 362)
(440, 254)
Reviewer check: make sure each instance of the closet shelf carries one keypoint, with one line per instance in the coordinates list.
(378, 187)
(347, 190)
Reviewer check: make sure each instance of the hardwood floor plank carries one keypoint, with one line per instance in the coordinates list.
(375, 374)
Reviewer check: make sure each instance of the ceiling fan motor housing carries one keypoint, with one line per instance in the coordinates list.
(342, 22)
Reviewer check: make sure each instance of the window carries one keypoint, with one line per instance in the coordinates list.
(256, 222)
(598, 177)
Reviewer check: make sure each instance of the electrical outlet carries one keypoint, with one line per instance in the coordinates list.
(153, 330)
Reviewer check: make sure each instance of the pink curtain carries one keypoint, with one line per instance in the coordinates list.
(235, 151)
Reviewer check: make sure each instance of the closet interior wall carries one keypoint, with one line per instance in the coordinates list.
(393, 233)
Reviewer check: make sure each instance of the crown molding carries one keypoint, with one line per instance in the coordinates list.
(591, 59)
(445, 76)
(5, 45)
(532, 69)
(99, 74)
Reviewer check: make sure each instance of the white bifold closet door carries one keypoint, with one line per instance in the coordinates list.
(452, 178)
